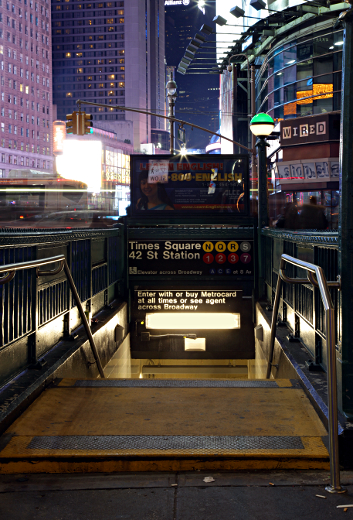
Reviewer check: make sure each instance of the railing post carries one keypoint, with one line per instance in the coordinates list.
(345, 227)
(334, 486)
(316, 277)
(32, 338)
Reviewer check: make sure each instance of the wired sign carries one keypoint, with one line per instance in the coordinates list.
(191, 257)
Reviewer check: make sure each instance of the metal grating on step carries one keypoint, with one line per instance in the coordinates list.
(162, 443)
(175, 383)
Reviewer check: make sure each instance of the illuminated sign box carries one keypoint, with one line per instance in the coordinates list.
(189, 320)
(166, 317)
(59, 136)
(82, 161)
(189, 185)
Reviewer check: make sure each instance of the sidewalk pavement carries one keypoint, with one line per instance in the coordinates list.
(265, 495)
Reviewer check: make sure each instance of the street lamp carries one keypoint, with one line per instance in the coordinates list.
(261, 126)
(172, 95)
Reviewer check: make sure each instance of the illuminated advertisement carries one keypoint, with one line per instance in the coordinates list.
(189, 184)
(82, 161)
(59, 135)
(227, 103)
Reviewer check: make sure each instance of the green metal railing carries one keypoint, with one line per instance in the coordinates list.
(10, 271)
(316, 276)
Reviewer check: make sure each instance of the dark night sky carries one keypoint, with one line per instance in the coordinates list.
(197, 100)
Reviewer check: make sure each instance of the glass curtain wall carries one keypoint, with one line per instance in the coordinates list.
(302, 76)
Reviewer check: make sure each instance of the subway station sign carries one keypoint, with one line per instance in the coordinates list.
(200, 258)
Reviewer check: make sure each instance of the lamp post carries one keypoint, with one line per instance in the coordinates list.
(172, 95)
(261, 126)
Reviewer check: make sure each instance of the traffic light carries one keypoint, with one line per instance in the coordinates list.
(87, 123)
(71, 123)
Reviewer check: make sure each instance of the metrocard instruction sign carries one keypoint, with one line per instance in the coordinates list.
(233, 258)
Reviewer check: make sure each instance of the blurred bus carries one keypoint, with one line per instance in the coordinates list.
(30, 194)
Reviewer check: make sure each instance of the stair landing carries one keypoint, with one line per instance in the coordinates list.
(165, 425)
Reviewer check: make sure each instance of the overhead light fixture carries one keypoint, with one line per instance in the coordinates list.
(237, 12)
(258, 4)
(192, 49)
(339, 43)
(290, 62)
(192, 321)
(196, 43)
(219, 20)
(206, 29)
(200, 38)
(268, 32)
(190, 55)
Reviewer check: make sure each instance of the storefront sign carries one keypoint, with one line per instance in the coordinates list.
(195, 258)
(306, 171)
(201, 184)
(306, 130)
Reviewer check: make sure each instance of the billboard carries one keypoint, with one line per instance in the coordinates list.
(59, 135)
(201, 184)
(82, 161)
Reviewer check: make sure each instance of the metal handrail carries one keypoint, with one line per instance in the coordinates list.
(11, 269)
(316, 276)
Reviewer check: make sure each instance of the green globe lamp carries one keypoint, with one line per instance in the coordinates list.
(262, 125)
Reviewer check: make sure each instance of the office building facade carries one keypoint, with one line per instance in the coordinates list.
(198, 91)
(26, 90)
(110, 53)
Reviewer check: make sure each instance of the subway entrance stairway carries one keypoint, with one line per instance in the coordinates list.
(112, 425)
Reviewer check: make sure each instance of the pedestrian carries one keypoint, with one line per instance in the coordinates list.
(289, 217)
(312, 215)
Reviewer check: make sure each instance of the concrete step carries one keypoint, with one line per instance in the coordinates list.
(165, 425)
